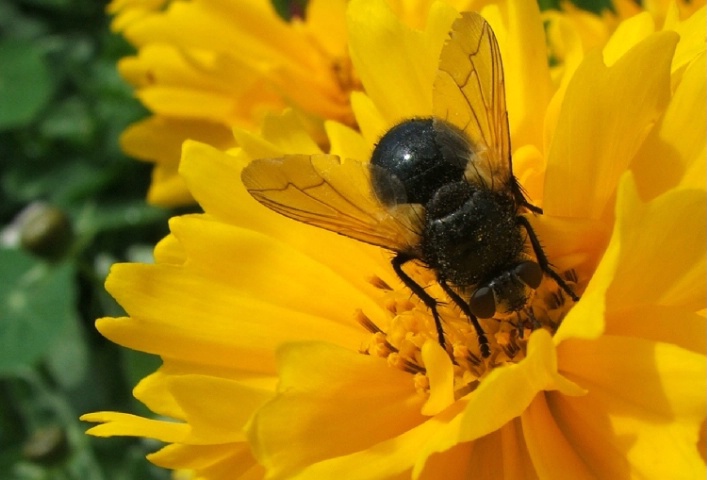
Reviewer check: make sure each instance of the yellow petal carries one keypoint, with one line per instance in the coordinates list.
(605, 116)
(153, 392)
(441, 375)
(234, 257)
(208, 404)
(177, 303)
(628, 34)
(644, 408)
(346, 142)
(502, 396)
(670, 231)
(575, 243)
(369, 118)
(692, 33)
(159, 139)
(215, 179)
(563, 34)
(169, 251)
(392, 458)
(675, 148)
(397, 64)
(326, 22)
(232, 459)
(527, 81)
(113, 423)
(317, 401)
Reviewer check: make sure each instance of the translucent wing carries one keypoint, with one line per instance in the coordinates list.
(469, 93)
(324, 191)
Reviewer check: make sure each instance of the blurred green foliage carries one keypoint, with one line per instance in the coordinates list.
(62, 109)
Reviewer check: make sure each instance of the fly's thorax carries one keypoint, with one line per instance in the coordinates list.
(415, 158)
(471, 234)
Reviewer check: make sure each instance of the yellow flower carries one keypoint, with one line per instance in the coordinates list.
(292, 352)
(203, 67)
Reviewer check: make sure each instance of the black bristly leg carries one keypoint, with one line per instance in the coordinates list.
(520, 197)
(542, 259)
(398, 261)
(483, 341)
(532, 208)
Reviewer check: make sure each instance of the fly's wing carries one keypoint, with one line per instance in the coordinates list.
(324, 191)
(469, 93)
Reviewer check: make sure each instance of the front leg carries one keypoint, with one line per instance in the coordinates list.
(430, 302)
(542, 258)
(459, 301)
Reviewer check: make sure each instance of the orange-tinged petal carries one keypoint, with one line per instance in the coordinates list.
(529, 168)
(553, 455)
(675, 325)
(588, 156)
(500, 455)
(113, 423)
(317, 401)
(184, 314)
(675, 148)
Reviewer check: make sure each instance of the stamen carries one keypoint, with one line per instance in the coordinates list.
(411, 325)
(379, 283)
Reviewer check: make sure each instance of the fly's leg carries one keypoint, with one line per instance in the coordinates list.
(430, 302)
(542, 258)
(483, 340)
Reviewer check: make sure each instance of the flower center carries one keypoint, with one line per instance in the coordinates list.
(411, 324)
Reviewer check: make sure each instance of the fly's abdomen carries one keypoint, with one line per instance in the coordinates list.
(471, 234)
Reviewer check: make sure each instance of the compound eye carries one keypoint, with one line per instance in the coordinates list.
(530, 273)
(482, 303)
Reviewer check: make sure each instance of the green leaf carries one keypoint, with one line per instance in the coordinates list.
(38, 300)
(25, 83)
(67, 358)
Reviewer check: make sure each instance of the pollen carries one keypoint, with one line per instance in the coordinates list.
(411, 324)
